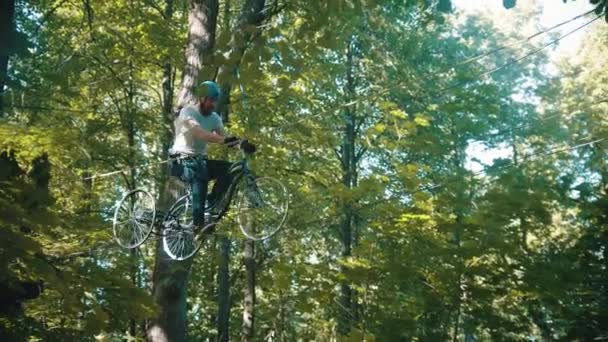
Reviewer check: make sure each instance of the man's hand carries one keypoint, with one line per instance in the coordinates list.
(199, 133)
(248, 147)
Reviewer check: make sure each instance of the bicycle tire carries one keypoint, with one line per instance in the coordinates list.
(134, 217)
(180, 239)
(262, 207)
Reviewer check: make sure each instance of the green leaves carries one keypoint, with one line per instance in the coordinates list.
(352, 106)
(422, 120)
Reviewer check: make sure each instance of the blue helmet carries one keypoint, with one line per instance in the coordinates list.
(209, 89)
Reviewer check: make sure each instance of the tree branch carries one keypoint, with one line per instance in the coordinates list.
(339, 156)
(360, 154)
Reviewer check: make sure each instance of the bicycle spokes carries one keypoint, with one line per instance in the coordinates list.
(134, 218)
(180, 240)
(261, 207)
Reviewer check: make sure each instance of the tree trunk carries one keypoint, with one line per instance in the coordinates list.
(170, 277)
(251, 15)
(223, 314)
(202, 23)
(249, 291)
(169, 291)
(213, 252)
(348, 161)
(459, 211)
(3, 79)
(132, 183)
(167, 115)
(7, 29)
(523, 224)
(460, 282)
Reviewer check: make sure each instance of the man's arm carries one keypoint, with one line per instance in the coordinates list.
(228, 141)
(220, 131)
(199, 133)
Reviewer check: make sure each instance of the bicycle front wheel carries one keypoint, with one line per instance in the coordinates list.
(134, 218)
(262, 205)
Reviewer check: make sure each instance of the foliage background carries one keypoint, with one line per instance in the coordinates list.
(436, 250)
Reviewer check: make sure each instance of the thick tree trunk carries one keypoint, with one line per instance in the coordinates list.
(202, 23)
(7, 29)
(170, 278)
(169, 291)
(249, 292)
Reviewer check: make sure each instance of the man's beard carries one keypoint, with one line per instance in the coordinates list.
(204, 112)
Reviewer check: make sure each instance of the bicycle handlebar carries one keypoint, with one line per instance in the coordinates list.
(244, 145)
(247, 147)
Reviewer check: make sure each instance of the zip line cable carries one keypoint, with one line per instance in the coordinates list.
(52, 109)
(535, 51)
(475, 78)
(432, 187)
(479, 76)
(457, 85)
(510, 163)
(518, 42)
(510, 130)
(499, 133)
(475, 174)
(530, 124)
(107, 174)
(144, 166)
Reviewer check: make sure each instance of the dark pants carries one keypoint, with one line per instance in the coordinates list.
(198, 171)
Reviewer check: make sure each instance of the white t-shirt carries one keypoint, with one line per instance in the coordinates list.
(184, 141)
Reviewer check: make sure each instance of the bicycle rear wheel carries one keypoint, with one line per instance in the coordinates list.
(134, 218)
(180, 237)
(262, 206)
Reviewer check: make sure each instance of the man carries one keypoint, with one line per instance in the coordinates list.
(195, 128)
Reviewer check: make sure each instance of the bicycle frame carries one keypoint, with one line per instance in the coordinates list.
(238, 170)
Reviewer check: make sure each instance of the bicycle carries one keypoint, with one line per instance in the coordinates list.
(261, 206)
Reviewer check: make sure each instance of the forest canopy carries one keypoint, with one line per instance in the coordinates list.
(446, 173)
